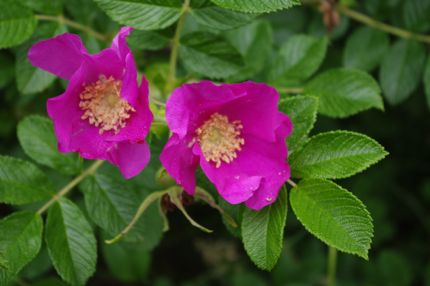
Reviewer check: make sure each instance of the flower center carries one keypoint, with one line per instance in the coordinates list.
(103, 105)
(220, 139)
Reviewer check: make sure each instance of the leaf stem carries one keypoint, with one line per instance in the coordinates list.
(143, 206)
(91, 170)
(175, 46)
(382, 26)
(290, 89)
(331, 267)
(62, 20)
(291, 183)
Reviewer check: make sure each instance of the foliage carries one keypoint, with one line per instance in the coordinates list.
(326, 80)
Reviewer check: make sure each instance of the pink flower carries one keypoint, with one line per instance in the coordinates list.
(103, 114)
(237, 135)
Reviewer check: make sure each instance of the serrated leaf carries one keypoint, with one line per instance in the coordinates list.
(37, 138)
(30, 79)
(335, 155)
(143, 14)
(22, 182)
(427, 81)
(299, 58)
(263, 232)
(17, 23)
(365, 49)
(333, 215)
(150, 40)
(209, 55)
(256, 6)
(20, 241)
(71, 242)
(345, 92)
(302, 111)
(112, 203)
(254, 43)
(220, 19)
(401, 70)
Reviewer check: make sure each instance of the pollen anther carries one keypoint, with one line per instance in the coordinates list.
(220, 139)
(103, 106)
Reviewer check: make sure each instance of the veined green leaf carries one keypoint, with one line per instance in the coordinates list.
(365, 49)
(36, 136)
(256, 6)
(334, 155)
(22, 182)
(143, 14)
(20, 241)
(209, 55)
(112, 203)
(345, 92)
(71, 242)
(401, 70)
(302, 111)
(334, 215)
(299, 58)
(17, 23)
(220, 19)
(263, 232)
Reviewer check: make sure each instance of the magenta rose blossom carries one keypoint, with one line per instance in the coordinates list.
(103, 114)
(237, 135)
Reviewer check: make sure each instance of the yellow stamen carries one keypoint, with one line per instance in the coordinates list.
(103, 106)
(219, 139)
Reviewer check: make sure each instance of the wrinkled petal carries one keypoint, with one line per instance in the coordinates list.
(131, 158)
(61, 55)
(180, 163)
(119, 43)
(257, 158)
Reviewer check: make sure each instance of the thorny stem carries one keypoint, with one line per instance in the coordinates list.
(331, 269)
(382, 26)
(61, 19)
(143, 206)
(91, 170)
(175, 46)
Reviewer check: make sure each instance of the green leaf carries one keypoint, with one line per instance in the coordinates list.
(17, 23)
(44, 6)
(20, 241)
(220, 19)
(128, 262)
(299, 58)
(36, 136)
(150, 40)
(143, 14)
(71, 242)
(415, 15)
(335, 155)
(209, 55)
(302, 111)
(3, 262)
(401, 70)
(365, 49)
(256, 6)
(333, 215)
(345, 92)
(254, 43)
(427, 81)
(30, 79)
(263, 232)
(22, 182)
(112, 203)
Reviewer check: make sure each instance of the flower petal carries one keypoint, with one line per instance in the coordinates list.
(131, 158)
(61, 55)
(119, 43)
(180, 163)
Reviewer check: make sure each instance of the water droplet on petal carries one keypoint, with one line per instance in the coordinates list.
(269, 199)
